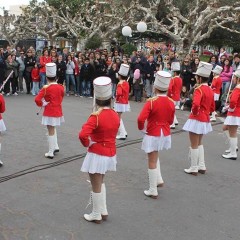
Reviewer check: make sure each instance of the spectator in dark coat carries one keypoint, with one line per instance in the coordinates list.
(61, 69)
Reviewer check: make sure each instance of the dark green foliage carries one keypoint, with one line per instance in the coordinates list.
(94, 42)
(128, 48)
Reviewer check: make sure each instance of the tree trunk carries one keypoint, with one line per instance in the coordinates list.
(82, 43)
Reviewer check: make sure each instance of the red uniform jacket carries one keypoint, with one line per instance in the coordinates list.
(2, 105)
(234, 105)
(159, 113)
(35, 75)
(122, 92)
(103, 132)
(203, 103)
(216, 84)
(52, 93)
(43, 61)
(175, 88)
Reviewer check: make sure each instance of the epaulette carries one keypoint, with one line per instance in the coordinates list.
(171, 99)
(152, 99)
(97, 112)
(45, 86)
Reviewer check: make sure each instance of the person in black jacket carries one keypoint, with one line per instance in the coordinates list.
(186, 73)
(113, 74)
(29, 62)
(61, 70)
(2, 67)
(149, 69)
(87, 74)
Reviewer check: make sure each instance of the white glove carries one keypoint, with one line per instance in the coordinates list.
(44, 103)
(143, 131)
(225, 109)
(91, 143)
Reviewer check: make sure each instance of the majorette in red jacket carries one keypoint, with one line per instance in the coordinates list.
(122, 92)
(175, 88)
(216, 84)
(52, 93)
(234, 104)
(203, 103)
(2, 106)
(101, 131)
(159, 112)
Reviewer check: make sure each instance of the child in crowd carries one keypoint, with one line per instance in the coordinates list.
(184, 97)
(35, 79)
(137, 85)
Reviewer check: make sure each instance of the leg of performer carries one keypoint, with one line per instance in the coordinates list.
(201, 161)
(51, 142)
(122, 134)
(160, 181)
(96, 182)
(226, 132)
(233, 143)
(56, 147)
(194, 154)
(104, 211)
(1, 163)
(152, 174)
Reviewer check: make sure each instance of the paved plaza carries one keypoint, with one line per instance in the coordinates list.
(49, 204)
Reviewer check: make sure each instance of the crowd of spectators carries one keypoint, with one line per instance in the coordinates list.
(77, 70)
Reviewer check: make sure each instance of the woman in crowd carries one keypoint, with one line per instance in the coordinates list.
(198, 123)
(113, 74)
(61, 70)
(43, 61)
(186, 73)
(70, 75)
(226, 75)
(100, 138)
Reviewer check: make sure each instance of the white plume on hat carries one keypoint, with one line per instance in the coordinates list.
(162, 80)
(175, 66)
(124, 70)
(102, 88)
(51, 70)
(204, 69)
(217, 69)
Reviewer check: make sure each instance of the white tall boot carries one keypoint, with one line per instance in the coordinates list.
(104, 211)
(160, 181)
(233, 153)
(122, 131)
(152, 191)
(228, 142)
(194, 162)
(175, 122)
(51, 144)
(213, 117)
(95, 215)
(201, 163)
(56, 147)
(1, 163)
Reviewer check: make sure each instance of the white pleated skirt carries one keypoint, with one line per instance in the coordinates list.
(94, 163)
(216, 96)
(2, 126)
(119, 107)
(197, 127)
(52, 121)
(152, 143)
(232, 121)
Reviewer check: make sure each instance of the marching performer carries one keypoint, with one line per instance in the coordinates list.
(159, 113)
(232, 121)
(175, 88)
(216, 87)
(2, 125)
(99, 135)
(121, 104)
(198, 123)
(50, 98)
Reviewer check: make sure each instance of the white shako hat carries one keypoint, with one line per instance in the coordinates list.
(51, 70)
(204, 69)
(124, 70)
(175, 66)
(102, 88)
(162, 80)
(237, 72)
(217, 70)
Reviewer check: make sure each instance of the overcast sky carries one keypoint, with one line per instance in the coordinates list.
(7, 3)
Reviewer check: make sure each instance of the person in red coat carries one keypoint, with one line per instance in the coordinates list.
(232, 121)
(50, 98)
(175, 88)
(43, 61)
(159, 114)
(216, 87)
(121, 104)
(35, 79)
(99, 136)
(2, 125)
(198, 123)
